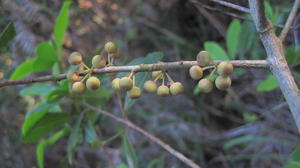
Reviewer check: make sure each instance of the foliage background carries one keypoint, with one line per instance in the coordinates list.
(249, 125)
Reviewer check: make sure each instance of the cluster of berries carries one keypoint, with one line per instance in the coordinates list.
(150, 86)
(98, 61)
(224, 70)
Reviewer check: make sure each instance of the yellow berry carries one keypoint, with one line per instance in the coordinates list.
(116, 84)
(115, 55)
(205, 85)
(98, 61)
(92, 83)
(134, 93)
(73, 76)
(110, 47)
(204, 58)
(176, 88)
(163, 91)
(155, 74)
(196, 72)
(78, 87)
(75, 58)
(126, 83)
(225, 68)
(222, 82)
(150, 86)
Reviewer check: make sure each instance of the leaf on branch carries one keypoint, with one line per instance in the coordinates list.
(270, 83)
(216, 51)
(23, 70)
(46, 57)
(61, 24)
(233, 37)
(38, 89)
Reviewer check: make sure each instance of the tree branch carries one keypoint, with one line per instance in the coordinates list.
(278, 65)
(156, 140)
(137, 68)
(233, 6)
(290, 20)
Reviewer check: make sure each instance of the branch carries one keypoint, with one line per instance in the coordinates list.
(276, 59)
(138, 68)
(231, 5)
(290, 20)
(156, 140)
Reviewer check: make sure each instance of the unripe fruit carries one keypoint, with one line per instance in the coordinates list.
(155, 74)
(176, 88)
(196, 72)
(163, 91)
(98, 61)
(92, 83)
(116, 84)
(78, 87)
(115, 55)
(222, 82)
(150, 86)
(73, 76)
(204, 58)
(225, 68)
(75, 58)
(205, 85)
(110, 47)
(126, 83)
(134, 93)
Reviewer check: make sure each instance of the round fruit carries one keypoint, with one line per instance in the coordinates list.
(204, 58)
(98, 61)
(150, 86)
(73, 76)
(110, 47)
(78, 87)
(116, 84)
(176, 88)
(225, 68)
(155, 74)
(75, 58)
(125, 83)
(116, 55)
(92, 83)
(222, 82)
(205, 85)
(134, 93)
(196, 72)
(163, 91)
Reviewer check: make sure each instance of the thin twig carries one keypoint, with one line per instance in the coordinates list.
(290, 20)
(233, 6)
(138, 68)
(156, 140)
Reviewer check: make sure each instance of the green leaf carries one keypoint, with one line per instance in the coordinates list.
(46, 57)
(291, 55)
(35, 115)
(292, 164)
(270, 83)
(247, 38)
(90, 134)
(23, 70)
(122, 166)
(38, 89)
(7, 34)
(233, 37)
(48, 123)
(61, 24)
(74, 138)
(45, 143)
(56, 95)
(249, 117)
(40, 153)
(141, 77)
(97, 97)
(130, 152)
(216, 51)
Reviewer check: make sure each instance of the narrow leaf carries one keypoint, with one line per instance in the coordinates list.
(7, 34)
(38, 89)
(46, 57)
(233, 37)
(23, 70)
(270, 83)
(216, 51)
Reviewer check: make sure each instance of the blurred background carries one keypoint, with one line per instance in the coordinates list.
(249, 125)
